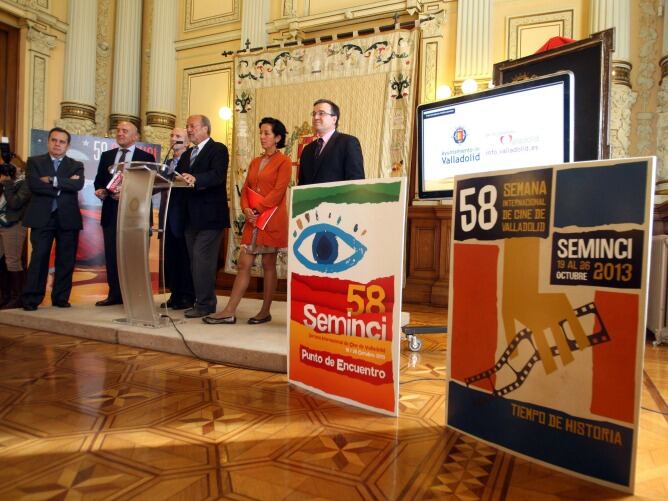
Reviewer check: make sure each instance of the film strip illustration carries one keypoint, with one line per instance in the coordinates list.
(526, 335)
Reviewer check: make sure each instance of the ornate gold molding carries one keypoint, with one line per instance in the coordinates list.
(116, 118)
(621, 73)
(430, 72)
(33, 4)
(288, 26)
(193, 24)
(39, 65)
(289, 8)
(69, 109)
(623, 99)
(645, 78)
(160, 119)
(102, 63)
(664, 67)
(40, 41)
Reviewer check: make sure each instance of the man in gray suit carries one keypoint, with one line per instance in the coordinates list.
(53, 214)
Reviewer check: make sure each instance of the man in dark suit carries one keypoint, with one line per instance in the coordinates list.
(127, 151)
(204, 166)
(53, 214)
(176, 261)
(334, 156)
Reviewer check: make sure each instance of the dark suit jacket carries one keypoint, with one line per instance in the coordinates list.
(206, 204)
(340, 160)
(109, 205)
(38, 212)
(176, 214)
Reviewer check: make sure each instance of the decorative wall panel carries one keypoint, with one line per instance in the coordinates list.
(207, 13)
(526, 34)
(205, 90)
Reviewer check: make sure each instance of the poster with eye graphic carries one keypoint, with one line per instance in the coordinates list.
(346, 247)
(548, 294)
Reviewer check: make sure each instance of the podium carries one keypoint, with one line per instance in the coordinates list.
(139, 180)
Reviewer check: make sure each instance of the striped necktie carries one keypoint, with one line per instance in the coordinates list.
(54, 202)
(193, 155)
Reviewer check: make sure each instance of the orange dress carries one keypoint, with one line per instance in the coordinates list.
(272, 183)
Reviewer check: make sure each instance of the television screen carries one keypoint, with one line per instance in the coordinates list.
(523, 124)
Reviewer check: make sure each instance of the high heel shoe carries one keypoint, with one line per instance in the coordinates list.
(223, 320)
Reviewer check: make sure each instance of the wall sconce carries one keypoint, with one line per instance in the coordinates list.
(443, 92)
(469, 85)
(225, 113)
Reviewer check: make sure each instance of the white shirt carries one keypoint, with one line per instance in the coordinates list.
(128, 155)
(201, 145)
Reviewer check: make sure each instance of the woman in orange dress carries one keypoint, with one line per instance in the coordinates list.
(264, 190)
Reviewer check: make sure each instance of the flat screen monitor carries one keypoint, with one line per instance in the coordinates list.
(523, 124)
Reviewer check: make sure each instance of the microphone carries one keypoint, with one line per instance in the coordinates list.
(165, 169)
(170, 149)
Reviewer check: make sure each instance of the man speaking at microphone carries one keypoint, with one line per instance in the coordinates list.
(204, 166)
(127, 151)
(177, 263)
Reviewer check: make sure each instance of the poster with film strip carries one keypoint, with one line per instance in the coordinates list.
(547, 313)
(345, 256)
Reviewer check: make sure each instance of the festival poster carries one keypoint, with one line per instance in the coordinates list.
(346, 253)
(547, 313)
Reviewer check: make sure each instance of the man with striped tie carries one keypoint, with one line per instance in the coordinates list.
(204, 166)
(52, 214)
(127, 151)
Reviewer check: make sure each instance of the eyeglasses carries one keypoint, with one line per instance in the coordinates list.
(321, 114)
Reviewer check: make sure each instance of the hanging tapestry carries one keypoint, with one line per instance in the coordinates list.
(370, 78)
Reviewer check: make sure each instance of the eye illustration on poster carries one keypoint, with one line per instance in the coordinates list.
(345, 261)
(547, 318)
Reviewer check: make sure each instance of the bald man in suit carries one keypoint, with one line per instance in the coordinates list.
(127, 151)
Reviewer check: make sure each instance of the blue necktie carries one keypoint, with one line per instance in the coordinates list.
(54, 204)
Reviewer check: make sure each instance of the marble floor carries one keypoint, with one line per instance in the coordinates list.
(81, 419)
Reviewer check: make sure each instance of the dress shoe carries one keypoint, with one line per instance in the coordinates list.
(222, 320)
(29, 307)
(108, 302)
(183, 305)
(196, 312)
(255, 320)
(176, 305)
(61, 304)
